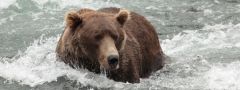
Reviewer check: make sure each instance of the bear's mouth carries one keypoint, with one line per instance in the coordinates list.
(109, 67)
(115, 67)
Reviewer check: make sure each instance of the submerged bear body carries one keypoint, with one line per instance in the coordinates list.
(123, 43)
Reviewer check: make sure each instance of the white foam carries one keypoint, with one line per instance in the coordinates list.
(210, 37)
(61, 4)
(184, 47)
(76, 3)
(6, 3)
(207, 12)
(37, 64)
(221, 77)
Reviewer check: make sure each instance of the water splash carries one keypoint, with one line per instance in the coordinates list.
(190, 67)
(224, 76)
(6, 3)
(195, 54)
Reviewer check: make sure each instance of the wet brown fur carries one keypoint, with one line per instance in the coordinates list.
(140, 54)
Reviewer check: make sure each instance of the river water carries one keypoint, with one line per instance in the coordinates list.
(202, 38)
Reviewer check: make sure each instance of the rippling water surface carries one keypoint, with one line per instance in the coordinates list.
(202, 38)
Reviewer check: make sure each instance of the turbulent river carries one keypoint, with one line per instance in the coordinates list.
(202, 38)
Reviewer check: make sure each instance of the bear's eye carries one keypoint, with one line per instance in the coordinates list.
(115, 37)
(98, 37)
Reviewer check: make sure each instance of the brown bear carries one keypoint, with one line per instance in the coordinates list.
(121, 42)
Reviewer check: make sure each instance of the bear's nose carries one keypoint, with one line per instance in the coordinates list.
(113, 59)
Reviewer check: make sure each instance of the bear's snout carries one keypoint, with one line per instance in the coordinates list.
(109, 56)
(113, 61)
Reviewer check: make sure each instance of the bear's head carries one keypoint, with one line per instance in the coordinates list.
(97, 35)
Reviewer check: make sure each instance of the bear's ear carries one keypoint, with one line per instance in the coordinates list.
(85, 10)
(73, 19)
(123, 16)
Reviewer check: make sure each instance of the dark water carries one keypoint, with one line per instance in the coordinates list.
(202, 37)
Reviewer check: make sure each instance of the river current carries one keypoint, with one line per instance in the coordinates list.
(202, 38)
